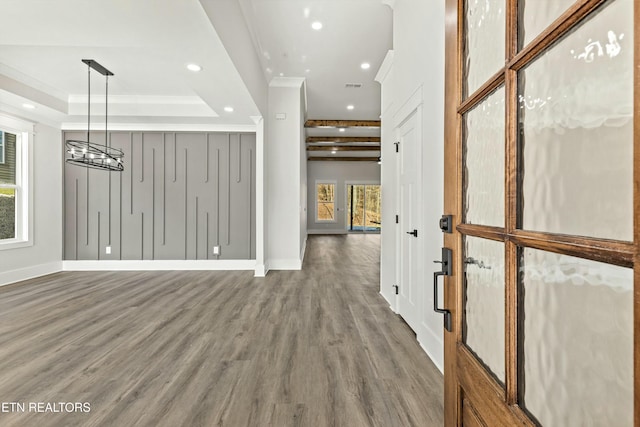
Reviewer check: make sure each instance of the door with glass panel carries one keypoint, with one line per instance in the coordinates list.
(540, 172)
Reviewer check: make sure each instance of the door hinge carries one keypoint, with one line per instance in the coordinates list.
(397, 288)
(397, 219)
(397, 144)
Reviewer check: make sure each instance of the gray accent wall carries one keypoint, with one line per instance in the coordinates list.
(180, 194)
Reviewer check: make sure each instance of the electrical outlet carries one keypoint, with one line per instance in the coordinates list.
(216, 250)
(108, 250)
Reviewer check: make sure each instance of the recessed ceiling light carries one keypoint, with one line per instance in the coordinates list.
(228, 109)
(333, 151)
(194, 67)
(29, 106)
(342, 129)
(350, 107)
(317, 25)
(365, 65)
(281, 74)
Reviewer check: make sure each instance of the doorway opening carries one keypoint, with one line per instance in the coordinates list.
(363, 208)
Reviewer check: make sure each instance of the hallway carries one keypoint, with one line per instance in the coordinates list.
(317, 347)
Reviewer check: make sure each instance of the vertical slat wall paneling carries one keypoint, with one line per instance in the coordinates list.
(131, 244)
(252, 196)
(239, 197)
(179, 195)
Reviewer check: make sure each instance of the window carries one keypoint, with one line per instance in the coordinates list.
(14, 185)
(1, 147)
(325, 202)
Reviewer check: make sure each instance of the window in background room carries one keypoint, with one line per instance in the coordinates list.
(11, 197)
(363, 208)
(325, 202)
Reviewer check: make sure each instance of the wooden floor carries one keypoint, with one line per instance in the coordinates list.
(317, 347)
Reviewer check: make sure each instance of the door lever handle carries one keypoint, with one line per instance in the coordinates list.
(414, 233)
(447, 270)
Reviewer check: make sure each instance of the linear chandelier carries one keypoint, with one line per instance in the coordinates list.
(90, 154)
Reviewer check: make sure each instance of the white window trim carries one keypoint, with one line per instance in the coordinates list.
(335, 201)
(24, 177)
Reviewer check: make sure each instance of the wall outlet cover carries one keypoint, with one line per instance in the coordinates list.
(216, 250)
(107, 250)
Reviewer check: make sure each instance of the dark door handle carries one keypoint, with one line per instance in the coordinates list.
(447, 264)
(414, 233)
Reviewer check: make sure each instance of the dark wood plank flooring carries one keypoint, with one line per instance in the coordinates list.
(317, 347)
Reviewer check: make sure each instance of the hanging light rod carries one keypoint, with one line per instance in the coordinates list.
(99, 68)
(91, 154)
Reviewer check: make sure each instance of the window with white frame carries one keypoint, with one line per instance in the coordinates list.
(325, 202)
(14, 194)
(1, 147)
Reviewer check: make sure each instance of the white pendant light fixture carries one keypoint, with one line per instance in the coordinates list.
(90, 154)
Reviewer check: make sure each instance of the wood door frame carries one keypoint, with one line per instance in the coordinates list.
(460, 366)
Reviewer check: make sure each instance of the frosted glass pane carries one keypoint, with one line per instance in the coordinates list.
(576, 109)
(484, 302)
(484, 52)
(578, 341)
(484, 162)
(538, 15)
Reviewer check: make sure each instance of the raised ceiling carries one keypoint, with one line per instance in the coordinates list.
(148, 43)
(353, 32)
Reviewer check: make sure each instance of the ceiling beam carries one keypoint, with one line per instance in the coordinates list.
(342, 124)
(342, 139)
(343, 159)
(345, 148)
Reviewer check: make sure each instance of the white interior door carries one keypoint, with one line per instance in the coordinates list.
(409, 234)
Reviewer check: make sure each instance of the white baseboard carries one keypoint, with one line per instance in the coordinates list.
(285, 264)
(339, 231)
(20, 274)
(434, 347)
(261, 270)
(304, 250)
(133, 265)
(392, 302)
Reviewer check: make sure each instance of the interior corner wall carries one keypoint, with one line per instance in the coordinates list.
(341, 173)
(303, 176)
(180, 194)
(45, 255)
(284, 178)
(418, 65)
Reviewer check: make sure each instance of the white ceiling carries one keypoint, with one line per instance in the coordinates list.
(148, 43)
(353, 32)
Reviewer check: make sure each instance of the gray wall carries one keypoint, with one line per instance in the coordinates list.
(179, 195)
(341, 173)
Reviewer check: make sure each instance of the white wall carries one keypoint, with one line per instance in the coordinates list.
(341, 173)
(417, 71)
(45, 255)
(303, 174)
(283, 169)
